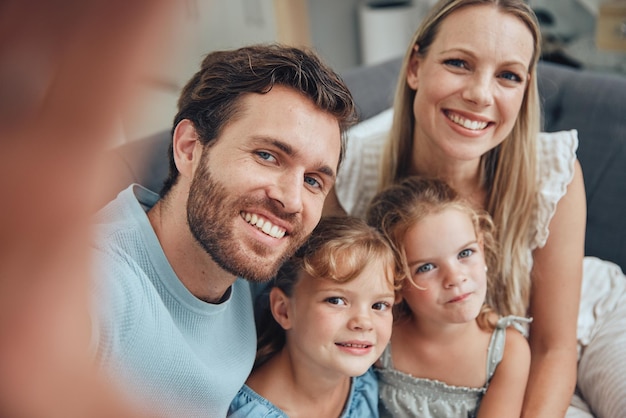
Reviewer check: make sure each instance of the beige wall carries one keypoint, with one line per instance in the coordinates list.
(201, 26)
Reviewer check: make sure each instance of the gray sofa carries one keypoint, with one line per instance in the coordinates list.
(593, 103)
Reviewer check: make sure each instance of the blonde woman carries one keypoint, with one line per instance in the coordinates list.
(467, 111)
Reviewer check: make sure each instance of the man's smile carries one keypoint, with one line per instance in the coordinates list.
(264, 225)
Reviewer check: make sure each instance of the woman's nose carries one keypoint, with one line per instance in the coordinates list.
(479, 90)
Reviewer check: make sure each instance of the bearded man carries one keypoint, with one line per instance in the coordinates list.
(255, 149)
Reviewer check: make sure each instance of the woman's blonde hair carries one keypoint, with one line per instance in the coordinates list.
(400, 206)
(508, 172)
(339, 249)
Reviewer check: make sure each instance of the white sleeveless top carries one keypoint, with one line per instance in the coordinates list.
(603, 284)
(357, 181)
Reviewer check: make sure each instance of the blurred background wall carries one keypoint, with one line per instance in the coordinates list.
(334, 28)
(346, 33)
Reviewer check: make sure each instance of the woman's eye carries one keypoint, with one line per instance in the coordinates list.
(381, 306)
(456, 63)
(425, 268)
(507, 75)
(265, 155)
(335, 300)
(466, 253)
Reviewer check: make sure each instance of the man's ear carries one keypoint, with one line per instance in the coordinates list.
(186, 147)
(412, 78)
(280, 306)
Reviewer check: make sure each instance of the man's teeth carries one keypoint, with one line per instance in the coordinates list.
(264, 225)
(466, 123)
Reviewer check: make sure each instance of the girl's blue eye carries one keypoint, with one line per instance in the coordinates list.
(425, 268)
(466, 253)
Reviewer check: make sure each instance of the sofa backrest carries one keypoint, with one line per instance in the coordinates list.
(593, 103)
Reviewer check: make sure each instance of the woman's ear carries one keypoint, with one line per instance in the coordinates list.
(186, 147)
(280, 305)
(412, 78)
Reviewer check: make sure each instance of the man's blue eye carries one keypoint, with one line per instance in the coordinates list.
(264, 155)
(312, 182)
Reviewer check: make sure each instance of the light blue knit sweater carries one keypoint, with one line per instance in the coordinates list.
(168, 349)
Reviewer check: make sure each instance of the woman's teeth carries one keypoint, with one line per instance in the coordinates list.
(466, 123)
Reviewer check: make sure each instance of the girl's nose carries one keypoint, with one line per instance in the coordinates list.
(454, 277)
(360, 321)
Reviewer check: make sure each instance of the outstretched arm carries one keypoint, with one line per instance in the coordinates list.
(67, 70)
(554, 304)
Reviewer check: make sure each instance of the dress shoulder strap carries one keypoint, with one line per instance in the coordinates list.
(498, 338)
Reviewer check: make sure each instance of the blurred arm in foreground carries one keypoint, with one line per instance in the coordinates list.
(66, 68)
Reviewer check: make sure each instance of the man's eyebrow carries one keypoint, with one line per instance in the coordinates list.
(283, 146)
(324, 169)
(288, 149)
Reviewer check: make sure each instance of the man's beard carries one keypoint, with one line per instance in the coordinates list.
(211, 214)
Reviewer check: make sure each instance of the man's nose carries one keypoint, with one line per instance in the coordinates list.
(287, 190)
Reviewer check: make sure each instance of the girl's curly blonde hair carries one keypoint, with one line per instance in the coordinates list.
(394, 210)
